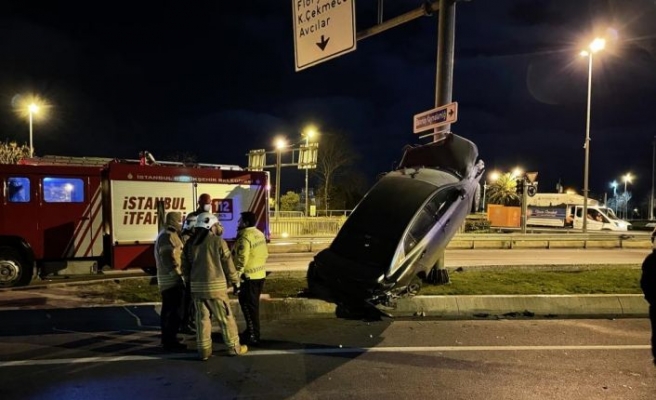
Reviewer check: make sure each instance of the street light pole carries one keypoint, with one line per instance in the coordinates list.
(587, 148)
(32, 109)
(307, 185)
(596, 45)
(627, 179)
(278, 157)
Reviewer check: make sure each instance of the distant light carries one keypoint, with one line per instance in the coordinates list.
(570, 191)
(494, 175)
(517, 172)
(597, 44)
(33, 108)
(584, 53)
(281, 143)
(627, 178)
(613, 184)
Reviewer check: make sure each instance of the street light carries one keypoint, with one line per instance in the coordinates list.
(32, 109)
(628, 178)
(596, 45)
(493, 175)
(280, 145)
(308, 134)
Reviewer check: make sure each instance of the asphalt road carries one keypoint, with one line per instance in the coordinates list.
(482, 258)
(112, 354)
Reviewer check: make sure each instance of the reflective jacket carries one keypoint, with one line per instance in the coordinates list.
(250, 253)
(208, 267)
(168, 251)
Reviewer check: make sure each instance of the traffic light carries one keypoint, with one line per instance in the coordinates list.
(519, 186)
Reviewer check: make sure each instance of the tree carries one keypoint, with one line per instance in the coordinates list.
(348, 191)
(503, 191)
(289, 201)
(11, 152)
(335, 155)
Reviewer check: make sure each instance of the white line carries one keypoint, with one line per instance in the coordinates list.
(331, 350)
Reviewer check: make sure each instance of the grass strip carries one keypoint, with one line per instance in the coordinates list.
(495, 281)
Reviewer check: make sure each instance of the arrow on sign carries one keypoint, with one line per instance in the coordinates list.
(323, 43)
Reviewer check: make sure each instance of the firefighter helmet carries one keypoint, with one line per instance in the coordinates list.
(190, 222)
(207, 221)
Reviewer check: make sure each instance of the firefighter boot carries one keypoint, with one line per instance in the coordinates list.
(238, 350)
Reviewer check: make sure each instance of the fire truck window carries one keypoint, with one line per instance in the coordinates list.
(63, 190)
(18, 189)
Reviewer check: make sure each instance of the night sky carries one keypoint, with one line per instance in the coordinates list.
(216, 79)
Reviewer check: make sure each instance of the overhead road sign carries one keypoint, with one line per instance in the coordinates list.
(436, 117)
(323, 29)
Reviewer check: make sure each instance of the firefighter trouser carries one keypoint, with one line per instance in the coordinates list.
(171, 315)
(220, 309)
(249, 301)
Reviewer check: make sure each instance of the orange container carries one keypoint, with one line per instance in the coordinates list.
(503, 216)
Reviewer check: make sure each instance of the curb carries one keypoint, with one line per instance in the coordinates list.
(447, 307)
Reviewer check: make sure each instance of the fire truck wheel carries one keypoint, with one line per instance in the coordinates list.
(152, 271)
(14, 271)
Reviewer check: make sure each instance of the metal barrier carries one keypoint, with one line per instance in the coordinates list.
(547, 241)
(302, 227)
(500, 241)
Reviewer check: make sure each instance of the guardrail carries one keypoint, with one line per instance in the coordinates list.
(494, 241)
(547, 241)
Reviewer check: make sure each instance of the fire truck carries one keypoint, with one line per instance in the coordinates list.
(56, 210)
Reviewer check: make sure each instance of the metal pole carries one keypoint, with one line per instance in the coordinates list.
(524, 203)
(446, 33)
(31, 146)
(380, 12)
(278, 182)
(484, 193)
(587, 149)
(307, 193)
(626, 201)
(653, 161)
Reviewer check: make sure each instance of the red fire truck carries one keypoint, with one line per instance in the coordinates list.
(63, 209)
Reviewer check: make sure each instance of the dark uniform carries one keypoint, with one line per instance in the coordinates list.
(648, 285)
(250, 254)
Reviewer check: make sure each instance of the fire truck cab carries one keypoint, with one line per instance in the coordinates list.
(62, 209)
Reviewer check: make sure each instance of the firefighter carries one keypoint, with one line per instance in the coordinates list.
(168, 251)
(204, 204)
(250, 253)
(209, 268)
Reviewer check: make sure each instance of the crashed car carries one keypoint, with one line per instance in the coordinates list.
(396, 235)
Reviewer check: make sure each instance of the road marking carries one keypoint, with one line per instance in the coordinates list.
(331, 350)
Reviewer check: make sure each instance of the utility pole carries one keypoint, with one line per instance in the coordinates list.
(524, 203)
(446, 34)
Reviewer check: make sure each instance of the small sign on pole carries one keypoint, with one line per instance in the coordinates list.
(436, 117)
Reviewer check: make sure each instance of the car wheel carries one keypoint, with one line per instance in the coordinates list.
(315, 287)
(14, 271)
